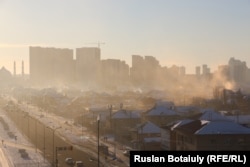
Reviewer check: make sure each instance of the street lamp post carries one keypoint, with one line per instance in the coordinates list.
(28, 126)
(36, 134)
(54, 143)
(98, 122)
(115, 139)
(27, 116)
(44, 142)
(82, 126)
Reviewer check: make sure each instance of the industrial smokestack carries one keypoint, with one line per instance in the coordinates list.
(22, 68)
(14, 72)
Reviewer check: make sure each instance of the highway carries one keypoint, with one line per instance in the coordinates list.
(39, 128)
(4, 162)
(13, 142)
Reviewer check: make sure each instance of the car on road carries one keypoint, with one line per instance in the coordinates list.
(69, 161)
(78, 164)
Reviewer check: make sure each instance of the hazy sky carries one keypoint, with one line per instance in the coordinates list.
(181, 32)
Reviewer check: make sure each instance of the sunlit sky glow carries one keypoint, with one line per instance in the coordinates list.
(181, 32)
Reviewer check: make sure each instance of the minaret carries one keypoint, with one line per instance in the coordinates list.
(14, 69)
(22, 69)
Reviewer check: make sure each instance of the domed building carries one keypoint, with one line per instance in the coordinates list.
(5, 74)
(6, 78)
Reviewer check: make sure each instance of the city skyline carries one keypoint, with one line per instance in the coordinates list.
(185, 33)
(19, 67)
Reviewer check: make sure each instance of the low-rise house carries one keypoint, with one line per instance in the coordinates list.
(146, 136)
(188, 111)
(212, 135)
(168, 135)
(121, 123)
(212, 115)
(162, 113)
(88, 118)
(240, 119)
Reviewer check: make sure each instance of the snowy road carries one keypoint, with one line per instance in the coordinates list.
(3, 160)
(78, 136)
(12, 141)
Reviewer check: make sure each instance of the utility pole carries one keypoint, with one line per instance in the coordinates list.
(98, 151)
(14, 69)
(53, 130)
(36, 133)
(82, 126)
(56, 158)
(22, 69)
(110, 115)
(44, 142)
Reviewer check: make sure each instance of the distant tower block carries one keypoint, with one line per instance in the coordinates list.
(14, 72)
(22, 68)
(198, 71)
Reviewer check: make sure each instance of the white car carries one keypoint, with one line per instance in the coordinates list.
(69, 161)
(78, 164)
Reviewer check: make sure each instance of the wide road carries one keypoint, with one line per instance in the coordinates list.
(40, 131)
(45, 139)
(3, 160)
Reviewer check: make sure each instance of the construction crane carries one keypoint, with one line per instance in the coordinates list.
(97, 43)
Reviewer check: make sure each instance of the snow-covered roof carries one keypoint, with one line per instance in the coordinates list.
(123, 114)
(51, 92)
(207, 110)
(204, 127)
(222, 127)
(148, 127)
(185, 109)
(157, 94)
(241, 119)
(168, 104)
(212, 115)
(161, 111)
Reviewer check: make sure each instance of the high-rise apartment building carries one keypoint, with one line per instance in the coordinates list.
(137, 72)
(237, 70)
(144, 70)
(50, 65)
(114, 72)
(205, 70)
(182, 71)
(88, 61)
(198, 71)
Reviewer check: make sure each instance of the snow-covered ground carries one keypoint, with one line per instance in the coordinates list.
(77, 135)
(16, 148)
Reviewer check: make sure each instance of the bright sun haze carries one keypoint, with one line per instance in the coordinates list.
(184, 33)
